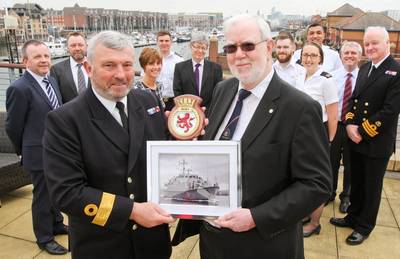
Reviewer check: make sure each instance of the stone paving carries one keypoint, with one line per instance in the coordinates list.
(17, 240)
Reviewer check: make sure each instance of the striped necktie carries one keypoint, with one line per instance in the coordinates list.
(81, 79)
(346, 96)
(51, 94)
(230, 128)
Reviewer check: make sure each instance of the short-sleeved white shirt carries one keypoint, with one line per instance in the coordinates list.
(321, 89)
(293, 73)
(331, 62)
(166, 76)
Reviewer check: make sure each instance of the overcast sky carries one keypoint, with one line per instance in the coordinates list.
(228, 7)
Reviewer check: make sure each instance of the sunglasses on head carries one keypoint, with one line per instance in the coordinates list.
(245, 46)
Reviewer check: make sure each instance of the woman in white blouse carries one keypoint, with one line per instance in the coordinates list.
(321, 87)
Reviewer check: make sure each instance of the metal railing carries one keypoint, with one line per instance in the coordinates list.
(8, 74)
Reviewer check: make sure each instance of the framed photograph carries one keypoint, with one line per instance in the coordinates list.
(194, 179)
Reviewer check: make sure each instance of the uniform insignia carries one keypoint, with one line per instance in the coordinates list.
(105, 208)
(271, 111)
(90, 210)
(390, 72)
(369, 128)
(378, 123)
(153, 110)
(349, 116)
(326, 74)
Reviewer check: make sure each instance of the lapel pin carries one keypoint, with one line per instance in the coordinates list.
(271, 111)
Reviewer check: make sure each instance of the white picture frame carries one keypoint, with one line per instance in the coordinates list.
(194, 179)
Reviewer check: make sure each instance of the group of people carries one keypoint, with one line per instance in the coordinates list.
(82, 135)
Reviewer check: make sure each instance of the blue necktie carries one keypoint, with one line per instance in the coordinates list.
(197, 78)
(230, 128)
(51, 94)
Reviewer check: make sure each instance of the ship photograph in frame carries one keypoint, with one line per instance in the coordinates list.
(194, 179)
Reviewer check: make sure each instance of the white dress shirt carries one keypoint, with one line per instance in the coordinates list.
(111, 106)
(74, 69)
(331, 62)
(340, 77)
(39, 79)
(166, 76)
(201, 68)
(292, 73)
(249, 107)
(321, 89)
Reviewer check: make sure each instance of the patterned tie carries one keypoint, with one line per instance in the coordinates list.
(51, 94)
(197, 78)
(346, 96)
(124, 119)
(81, 79)
(230, 128)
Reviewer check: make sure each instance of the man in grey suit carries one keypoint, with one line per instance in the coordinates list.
(197, 75)
(28, 101)
(70, 73)
(285, 157)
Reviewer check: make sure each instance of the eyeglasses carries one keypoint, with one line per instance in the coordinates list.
(245, 46)
(199, 47)
(312, 56)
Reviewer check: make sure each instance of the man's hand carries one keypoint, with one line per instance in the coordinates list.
(352, 132)
(149, 215)
(239, 220)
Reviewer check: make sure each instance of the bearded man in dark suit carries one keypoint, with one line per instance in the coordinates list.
(70, 73)
(285, 160)
(95, 159)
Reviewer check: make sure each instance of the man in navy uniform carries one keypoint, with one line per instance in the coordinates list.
(371, 126)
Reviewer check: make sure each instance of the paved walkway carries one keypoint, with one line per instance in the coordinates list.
(17, 240)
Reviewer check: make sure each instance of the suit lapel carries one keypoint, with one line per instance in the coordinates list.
(136, 129)
(107, 123)
(263, 114)
(205, 76)
(56, 89)
(368, 81)
(70, 77)
(217, 115)
(37, 88)
(190, 73)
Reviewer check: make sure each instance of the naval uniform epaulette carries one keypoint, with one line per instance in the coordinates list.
(299, 62)
(326, 74)
(179, 55)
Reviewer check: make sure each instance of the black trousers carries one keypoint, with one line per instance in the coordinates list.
(45, 217)
(340, 149)
(366, 188)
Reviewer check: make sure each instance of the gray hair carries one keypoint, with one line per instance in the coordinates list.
(351, 44)
(200, 37)
(265, 31)
(108, 39)
(381, 29)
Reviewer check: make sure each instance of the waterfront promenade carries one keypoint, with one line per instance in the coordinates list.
(17, 240)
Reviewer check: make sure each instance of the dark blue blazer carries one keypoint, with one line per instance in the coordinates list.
(27, 106)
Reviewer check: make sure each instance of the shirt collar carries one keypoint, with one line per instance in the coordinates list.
(194, 63)
(260, 89)
(380, 62)
(109, 104)
(37, 77)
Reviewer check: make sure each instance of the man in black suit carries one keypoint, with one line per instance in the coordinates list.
(95, 159)
(285, 157)
(70, 73)
(28, 101)
(197, 75)
(371, 126)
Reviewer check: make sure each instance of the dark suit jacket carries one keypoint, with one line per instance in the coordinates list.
(63, 74)
(375, 107)
(285, 169)
(27, 106)
(88, 157)
(184, 82)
